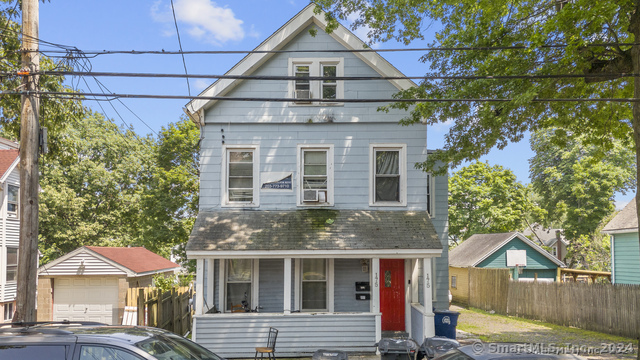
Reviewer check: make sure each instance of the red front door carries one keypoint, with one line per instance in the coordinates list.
(392, 294)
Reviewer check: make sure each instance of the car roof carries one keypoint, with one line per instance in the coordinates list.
(81, 332)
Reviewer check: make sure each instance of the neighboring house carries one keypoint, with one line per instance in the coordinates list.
(9, 226)
(625, 249)
(314, 212)
(552, 238)
(511, 250)
(90, 283)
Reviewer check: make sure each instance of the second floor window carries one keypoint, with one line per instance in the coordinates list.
(13, 195)
(241, 177)
(316, 175)
(388, 175)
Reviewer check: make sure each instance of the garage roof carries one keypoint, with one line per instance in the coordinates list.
(96, 260)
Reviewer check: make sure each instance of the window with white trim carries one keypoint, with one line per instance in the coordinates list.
(13, 197)
(12, 264)
(8, 312)
(430, 195)
(315, 275)
(240, 176)
(554, 251)
(239, 276)
(305, 90)
(388, 175)
(315, 175)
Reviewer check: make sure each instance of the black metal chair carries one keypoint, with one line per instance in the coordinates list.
(270, 349)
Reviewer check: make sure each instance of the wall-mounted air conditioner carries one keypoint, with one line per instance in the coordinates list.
(303, 96)
(310, 196)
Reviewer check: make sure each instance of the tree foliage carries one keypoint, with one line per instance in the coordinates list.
(536, 25)
(92, 195)
(170, 204)
(487, 199)
(576, 184)
(56, 114)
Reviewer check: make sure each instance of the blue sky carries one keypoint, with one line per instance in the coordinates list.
(204, 25)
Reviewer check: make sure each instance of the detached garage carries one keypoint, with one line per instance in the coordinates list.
(90, 283)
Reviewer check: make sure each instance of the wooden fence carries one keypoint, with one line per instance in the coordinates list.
(606, 308)
(488, 289)
(167, 310)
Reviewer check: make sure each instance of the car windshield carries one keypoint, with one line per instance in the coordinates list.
(173, 347)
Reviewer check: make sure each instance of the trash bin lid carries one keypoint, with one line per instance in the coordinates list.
(387, 345)
(445, 312)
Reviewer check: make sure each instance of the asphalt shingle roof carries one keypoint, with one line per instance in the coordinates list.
(626, 219)
(476, 247)
(7, 157)
(312, 229)
(136, 259)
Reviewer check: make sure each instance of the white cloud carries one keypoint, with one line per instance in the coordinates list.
(205, 20)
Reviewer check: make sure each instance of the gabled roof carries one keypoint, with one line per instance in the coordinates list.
(8, 161)
(132, 261)
(278, 40)
(316, 232)
(478, 247)
(137, 259)
(625, 221)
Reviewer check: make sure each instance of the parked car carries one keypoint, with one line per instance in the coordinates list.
(95, 341)
(499, 351)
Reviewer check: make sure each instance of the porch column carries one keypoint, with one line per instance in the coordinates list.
(429, 327)
(210, 284)
(287, 286)
(375, 296)
(199, 286)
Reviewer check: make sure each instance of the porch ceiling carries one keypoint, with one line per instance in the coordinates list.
(345, 232)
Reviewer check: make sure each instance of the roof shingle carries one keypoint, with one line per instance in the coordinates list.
(626, 219)
(136, 259)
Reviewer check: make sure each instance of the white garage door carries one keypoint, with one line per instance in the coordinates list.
(87, 298)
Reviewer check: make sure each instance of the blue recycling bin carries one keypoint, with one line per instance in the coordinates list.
(446, 322)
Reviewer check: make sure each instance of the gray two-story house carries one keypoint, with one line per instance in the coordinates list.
(311, 209)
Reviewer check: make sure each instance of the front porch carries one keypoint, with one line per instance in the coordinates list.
(334, 285)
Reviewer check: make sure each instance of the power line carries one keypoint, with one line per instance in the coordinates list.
(82, 95)
(363, 50)
(318, 78)
(175, 21)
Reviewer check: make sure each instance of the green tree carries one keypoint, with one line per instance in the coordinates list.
(170, 202)
(92, 195)
(537, 26)
(575, 183)
(56, 113)
(488, 199)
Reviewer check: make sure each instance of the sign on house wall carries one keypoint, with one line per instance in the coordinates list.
(276, 181)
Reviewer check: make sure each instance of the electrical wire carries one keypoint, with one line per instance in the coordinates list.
(317, 78)
(363, 50)
(175, 21)
(80, 95)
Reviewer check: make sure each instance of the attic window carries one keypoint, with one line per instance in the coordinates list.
(305, 90)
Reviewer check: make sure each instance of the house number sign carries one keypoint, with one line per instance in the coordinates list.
(427, 281)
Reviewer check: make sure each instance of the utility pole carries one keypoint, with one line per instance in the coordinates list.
(29, 176)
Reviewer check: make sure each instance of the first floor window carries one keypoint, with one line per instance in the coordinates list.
(314, 284)
(454, 281)
(12, 199)
(12, 264)
(239, 276)
(8, 311)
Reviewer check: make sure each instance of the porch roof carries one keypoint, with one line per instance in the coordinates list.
(313, 231)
